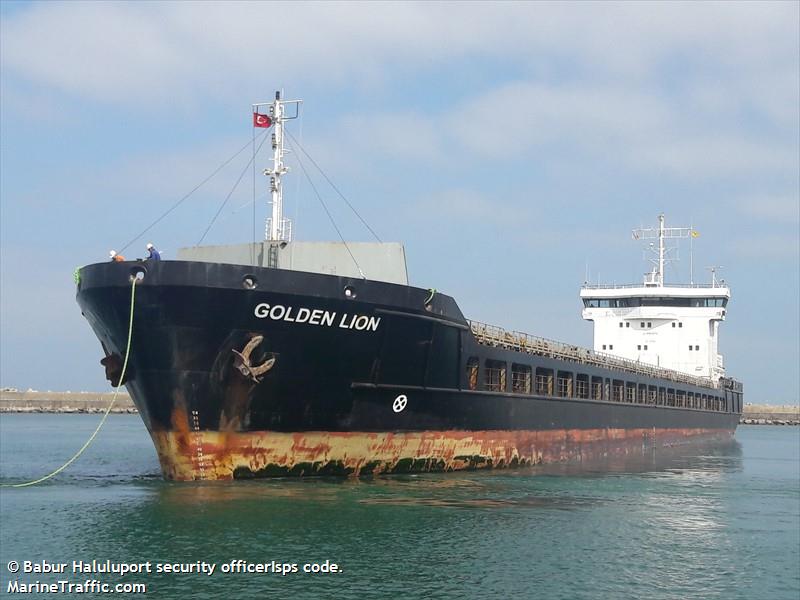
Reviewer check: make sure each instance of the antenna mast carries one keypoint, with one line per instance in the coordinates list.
(656, 276)
(278, 228)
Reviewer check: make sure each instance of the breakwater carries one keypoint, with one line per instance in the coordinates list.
(766, 414)
(33, 401)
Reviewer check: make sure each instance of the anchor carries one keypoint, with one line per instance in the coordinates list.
(242, 362)
(113, 365)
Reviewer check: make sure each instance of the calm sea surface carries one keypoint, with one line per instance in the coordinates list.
(710, 524)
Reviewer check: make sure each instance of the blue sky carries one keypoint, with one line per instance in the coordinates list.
(510, 146)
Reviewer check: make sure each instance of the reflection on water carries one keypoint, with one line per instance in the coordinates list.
(673, 524)
(711, 457)
(528, 501)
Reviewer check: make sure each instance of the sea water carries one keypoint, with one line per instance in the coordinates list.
(697, 523)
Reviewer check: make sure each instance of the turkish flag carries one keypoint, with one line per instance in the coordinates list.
(261, 120)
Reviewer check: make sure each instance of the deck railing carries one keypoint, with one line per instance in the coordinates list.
(627, 286)
(490, 335)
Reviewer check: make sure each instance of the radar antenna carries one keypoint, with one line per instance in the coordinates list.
(714, 269)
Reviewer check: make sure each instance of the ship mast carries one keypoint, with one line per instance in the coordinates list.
(656, 276)
(278, 228)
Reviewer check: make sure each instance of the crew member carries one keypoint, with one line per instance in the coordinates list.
(116, 257)
(153, 254)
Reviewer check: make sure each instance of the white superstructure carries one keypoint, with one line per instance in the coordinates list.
(672, 326)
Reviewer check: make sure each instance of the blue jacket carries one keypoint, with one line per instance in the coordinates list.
(154, 254)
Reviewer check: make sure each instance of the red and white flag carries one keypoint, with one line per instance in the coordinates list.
(261, 120)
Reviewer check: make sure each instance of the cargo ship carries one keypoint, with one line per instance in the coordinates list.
(290, 358)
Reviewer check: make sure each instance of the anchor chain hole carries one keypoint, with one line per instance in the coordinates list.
(138, 273)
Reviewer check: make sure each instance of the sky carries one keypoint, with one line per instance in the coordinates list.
(511, 147)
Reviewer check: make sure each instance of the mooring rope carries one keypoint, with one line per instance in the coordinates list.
(108, 410)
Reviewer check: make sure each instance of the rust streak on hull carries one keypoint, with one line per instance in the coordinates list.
(233, 455)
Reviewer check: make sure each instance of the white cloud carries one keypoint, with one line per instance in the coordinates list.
(630, 126)
(714, 154)
(775, 208)
(407, 136)
(145, 52)
(773, 246)
(103, 51)
(663, 86)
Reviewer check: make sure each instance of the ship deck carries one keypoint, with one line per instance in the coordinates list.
(497, 337)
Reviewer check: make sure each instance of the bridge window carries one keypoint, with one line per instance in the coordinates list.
(582, 386)
(661, 301)
(652, 394)
(618, 390)
(596, 303)
(495, 375)
(708, 302)
(597, 388)
(627, 324)
(630, 392)
(641, 397)
(697, 347)
(472, 373)
(564, 384)
(544, 382)
(520, 379)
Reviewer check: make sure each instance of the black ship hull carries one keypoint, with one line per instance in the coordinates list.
(244, 371)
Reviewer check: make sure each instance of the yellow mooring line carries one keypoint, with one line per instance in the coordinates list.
(108, 410)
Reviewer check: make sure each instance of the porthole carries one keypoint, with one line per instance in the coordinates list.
(249, 282)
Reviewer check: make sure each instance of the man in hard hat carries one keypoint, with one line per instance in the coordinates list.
(153, 254)
(115, 257)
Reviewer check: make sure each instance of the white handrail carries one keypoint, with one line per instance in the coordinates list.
(491, 335)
